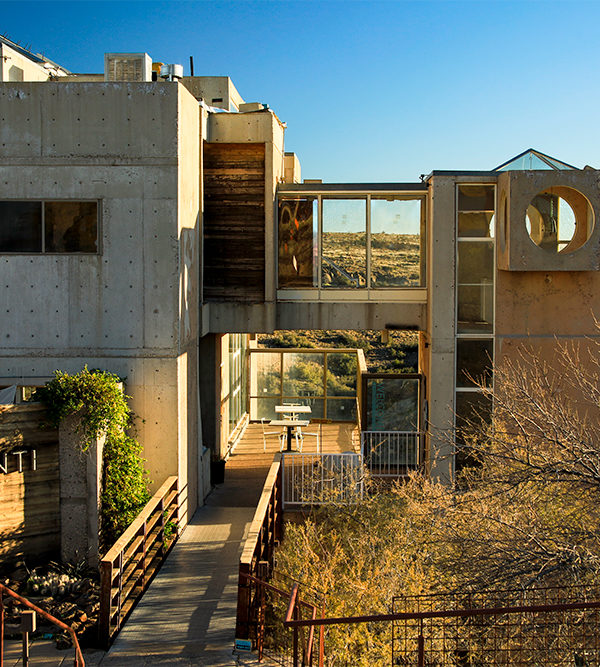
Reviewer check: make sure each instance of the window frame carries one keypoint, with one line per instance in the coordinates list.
(333, 293)
(43, 250)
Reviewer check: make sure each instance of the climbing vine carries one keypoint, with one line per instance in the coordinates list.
(96, 396)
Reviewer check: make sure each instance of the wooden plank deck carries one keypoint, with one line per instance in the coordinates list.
(187, 616)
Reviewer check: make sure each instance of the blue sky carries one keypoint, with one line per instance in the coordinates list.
(370, 91)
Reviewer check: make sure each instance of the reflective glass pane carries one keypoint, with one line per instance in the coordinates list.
(476, 223)
(344, 253)
(392, 404)
(71, 226)
(303, 374)
(341, 374)
(263, 408)
(474, 362)
(475, 262)
(396, 242)
(473, 414)
(268, 374)
(475, 307)
(298, 242)
(316, 406)
(20, 226)
(341, 409)
(476, 198)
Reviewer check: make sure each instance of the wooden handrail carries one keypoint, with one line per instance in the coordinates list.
(265, 531)
(261, 513)
(79, 661)
(130, 564)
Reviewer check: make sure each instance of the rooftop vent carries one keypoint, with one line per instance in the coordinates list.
(127, 67)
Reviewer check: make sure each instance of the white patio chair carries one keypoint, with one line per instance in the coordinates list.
(279, 434)
(299, 435)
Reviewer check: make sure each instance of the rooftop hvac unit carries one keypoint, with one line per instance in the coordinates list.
(171, 72)
(127, 67)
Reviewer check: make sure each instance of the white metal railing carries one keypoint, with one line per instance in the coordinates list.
(314, 479)
(391, 453)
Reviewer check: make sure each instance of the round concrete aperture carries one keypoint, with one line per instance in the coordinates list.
(559, 219)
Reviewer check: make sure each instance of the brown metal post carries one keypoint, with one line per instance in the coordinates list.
(1, 629)
(322, 641)
(421, 644)
(296, 617)
(277, 532)
(243, 604)
(106, 573)
(263, 573)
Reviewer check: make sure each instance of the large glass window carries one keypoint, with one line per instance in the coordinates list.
(396, 236)
(344, 245)
(298, 242)
(325, 381)
(475, 271)
(237, 379)
(475, 259)
(48, 227)
(360, 242)
(392, 404)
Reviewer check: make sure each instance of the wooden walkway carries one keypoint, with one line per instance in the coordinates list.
(187, 616)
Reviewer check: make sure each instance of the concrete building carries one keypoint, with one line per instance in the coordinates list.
(150, 221)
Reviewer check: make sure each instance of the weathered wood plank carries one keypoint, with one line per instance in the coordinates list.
(234, 219)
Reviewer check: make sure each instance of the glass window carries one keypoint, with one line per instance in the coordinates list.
(392, 404)
(476, 198)
(341, 374)
(237, 379)
(52, 227)
(303, 374)
(475, 262)
(473, 414)
(396, 242)
(298, 242)
(344, 251)
(71, 226)
(20, 226)
(268, 373)
(476, 224)
(475, 289)
(474, 362)
(341, 409)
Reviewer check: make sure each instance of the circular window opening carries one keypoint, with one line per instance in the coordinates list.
(559, 219)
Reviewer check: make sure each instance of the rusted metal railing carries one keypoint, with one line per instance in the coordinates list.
(552, 632)
(4, 590)
(257, 554)
(130, 564)
(299, 648)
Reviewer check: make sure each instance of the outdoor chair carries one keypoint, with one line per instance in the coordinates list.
(280, 434)
(299, 435)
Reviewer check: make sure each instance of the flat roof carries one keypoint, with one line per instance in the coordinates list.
(352, 187)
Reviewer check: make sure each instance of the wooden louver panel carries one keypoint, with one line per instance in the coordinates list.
(234, 222)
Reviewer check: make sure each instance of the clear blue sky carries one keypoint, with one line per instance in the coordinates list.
(370, 91)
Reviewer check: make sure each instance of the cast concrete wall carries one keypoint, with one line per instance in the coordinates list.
(132, 308)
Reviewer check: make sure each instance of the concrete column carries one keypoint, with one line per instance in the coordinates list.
(80, 485)
(440, 329)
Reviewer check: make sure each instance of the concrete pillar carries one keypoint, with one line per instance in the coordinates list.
(80, 485)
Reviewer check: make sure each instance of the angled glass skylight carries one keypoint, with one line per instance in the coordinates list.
(532, 159)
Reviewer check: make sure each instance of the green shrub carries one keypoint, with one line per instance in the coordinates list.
(96, 396)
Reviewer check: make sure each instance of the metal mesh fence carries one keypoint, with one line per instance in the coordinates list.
(550, 626)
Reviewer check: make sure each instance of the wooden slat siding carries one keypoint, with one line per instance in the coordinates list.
(30, 500)
(234, 222)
